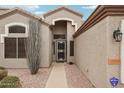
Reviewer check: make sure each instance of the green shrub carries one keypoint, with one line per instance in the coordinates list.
(3, 73)
(10, 82)
(2, 68)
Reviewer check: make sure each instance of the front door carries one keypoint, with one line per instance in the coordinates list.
(60, 50)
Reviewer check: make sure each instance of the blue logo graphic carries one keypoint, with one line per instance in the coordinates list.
(114, 81)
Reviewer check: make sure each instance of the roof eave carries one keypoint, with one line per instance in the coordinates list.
(63, 7)
(99, 13)
(24, 12)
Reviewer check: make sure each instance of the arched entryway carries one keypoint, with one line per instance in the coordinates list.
(62, 33)
(59, 41)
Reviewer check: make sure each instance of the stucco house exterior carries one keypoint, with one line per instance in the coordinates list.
(57, 29)
(66, 38)
(97, 53)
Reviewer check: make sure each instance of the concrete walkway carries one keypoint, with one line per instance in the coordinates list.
(57, 78)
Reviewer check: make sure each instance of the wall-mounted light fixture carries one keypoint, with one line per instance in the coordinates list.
(117, 35)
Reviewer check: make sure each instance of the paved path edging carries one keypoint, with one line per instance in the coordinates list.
(57, 78)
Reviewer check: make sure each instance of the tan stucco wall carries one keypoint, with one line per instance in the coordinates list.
(11, 63)
(2, 11)
(91, 53)
(60, 28)
(113, 48)
(46, 35)
(45, 46)
(64, 14)
(70, 32)
(21, 63)
(88, 50)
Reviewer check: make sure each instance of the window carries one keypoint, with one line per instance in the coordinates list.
(54, 48)
(21, 48)
(59, 36)
(10, 47)
(16, 29)
(71, 48)
(14, 48)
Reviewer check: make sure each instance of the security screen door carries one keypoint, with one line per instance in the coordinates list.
(61, 51)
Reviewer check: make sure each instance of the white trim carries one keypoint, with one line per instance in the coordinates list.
(12, 24)
(72, 21)
(42, 17)
(122, 52)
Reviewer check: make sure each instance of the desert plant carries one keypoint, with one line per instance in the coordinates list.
(2, 68)
(33, 46)
(71, 63)
(10, 82)
(3, 73)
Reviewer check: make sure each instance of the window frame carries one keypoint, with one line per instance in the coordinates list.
(16, 24)
(72, 48)
(17, 48)
(14, 35)
(14, 32)
(5, 50)
(7, 34)
(59, 36)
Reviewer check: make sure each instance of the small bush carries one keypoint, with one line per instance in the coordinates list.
(2, 68)
(71, 63)
(3, 73)
(10, 82)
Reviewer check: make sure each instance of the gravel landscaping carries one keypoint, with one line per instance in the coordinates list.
(31, 81)
(75, 78)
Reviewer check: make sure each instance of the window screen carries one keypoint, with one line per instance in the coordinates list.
(71, 48)
(59, 36)
(15, 48)
(21, 48)
(16, 29)
(10, 47)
